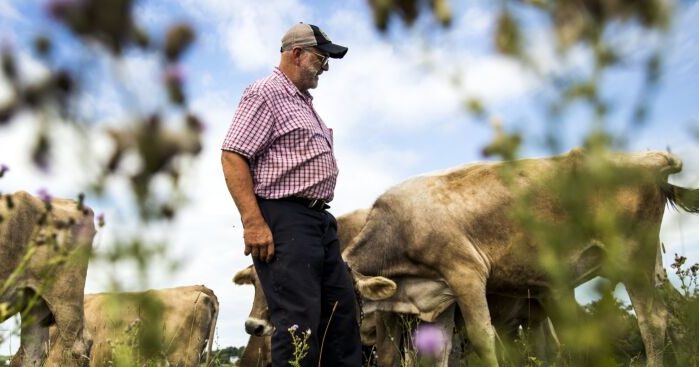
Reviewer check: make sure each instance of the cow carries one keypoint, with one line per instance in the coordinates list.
(474, 228)
(45, 247)
(260, 328)
(258, 323)
(432, 302)
(171, 324)
(257, 353)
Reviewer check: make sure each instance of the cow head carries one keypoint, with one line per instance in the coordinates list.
(374, 288)
(258, 323)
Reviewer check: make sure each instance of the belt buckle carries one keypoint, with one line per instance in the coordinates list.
(313, 203)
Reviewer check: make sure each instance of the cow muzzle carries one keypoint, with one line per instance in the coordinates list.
(257, 327)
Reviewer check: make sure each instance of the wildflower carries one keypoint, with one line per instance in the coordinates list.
(3, 168)
(429, 339)
(100, 220)
(300, 343)
(679, 261)
(174, 74)
(44, 195)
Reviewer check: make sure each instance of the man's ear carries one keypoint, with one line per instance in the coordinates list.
(297, 53)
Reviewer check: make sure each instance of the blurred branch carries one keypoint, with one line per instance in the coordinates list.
(109, 25)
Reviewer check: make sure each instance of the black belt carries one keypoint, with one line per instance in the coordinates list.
(315, 204)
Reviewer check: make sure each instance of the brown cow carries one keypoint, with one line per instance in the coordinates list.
(178, 322)
(460, 226)
(258, 323)
(44, 251)
(430, 301)
(257, 353)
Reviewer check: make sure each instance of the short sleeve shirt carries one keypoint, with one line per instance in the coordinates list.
(287, 144)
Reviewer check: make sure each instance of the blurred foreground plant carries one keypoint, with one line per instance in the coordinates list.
(84, 46)
(684, 311)
(105, 32)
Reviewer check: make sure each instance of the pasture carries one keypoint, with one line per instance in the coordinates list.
(112, 114)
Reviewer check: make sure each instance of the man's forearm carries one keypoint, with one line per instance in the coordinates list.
(236, 171)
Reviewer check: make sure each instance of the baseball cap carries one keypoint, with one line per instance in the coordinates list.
(308, 35)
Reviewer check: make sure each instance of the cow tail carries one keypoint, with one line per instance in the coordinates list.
(212, 330)
(684, 198)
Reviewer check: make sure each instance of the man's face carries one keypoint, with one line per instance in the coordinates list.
(313, 63)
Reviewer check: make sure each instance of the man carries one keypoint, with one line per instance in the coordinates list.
(280, 170)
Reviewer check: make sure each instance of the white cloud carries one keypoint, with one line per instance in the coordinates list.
(143, 77)
(8, 11)
(373, 88)
(30, 69)
(362, 180)
(251, 33)
(497, 79)
(153, 14)
(684, 45)
(475, 21)
(116, 90)
(379, 85)
(68, 174)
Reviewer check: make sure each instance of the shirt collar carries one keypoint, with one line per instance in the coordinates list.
(289, 85)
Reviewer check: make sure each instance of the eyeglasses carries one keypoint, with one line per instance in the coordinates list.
(323, 58)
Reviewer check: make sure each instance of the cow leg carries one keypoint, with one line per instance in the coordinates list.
(388, 339)
(543, 336)
(34, 343)
(35, 321)
(552, 344)
(445, 321)
(646, 297)
(258, 352)
(651, 314)
(34, 337)
(544, 342)
(469, 286)
(454, 358)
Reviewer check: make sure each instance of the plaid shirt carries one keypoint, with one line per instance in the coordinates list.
(288, 147)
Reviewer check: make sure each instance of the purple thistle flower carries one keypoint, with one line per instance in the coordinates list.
(429, 339)
(174, 74)
(44, 195)
(3, 169)
(100, 220)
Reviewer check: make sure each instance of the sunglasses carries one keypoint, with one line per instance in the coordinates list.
(323, 58)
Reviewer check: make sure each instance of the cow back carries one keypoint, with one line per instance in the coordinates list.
(175, 323)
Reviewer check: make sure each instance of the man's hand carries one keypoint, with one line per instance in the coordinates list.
(259, 242)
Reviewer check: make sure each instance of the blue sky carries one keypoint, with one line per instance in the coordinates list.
(391, 101)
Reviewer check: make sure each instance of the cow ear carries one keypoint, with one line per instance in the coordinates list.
(244, 276)
(376, 288)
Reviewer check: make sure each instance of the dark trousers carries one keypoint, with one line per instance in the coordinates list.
(307, 284)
